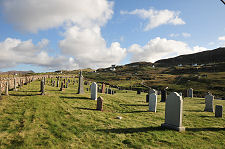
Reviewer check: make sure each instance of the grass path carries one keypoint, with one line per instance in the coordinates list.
(68, 120)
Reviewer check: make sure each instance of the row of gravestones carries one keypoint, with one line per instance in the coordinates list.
(7, 84)
(174, 109)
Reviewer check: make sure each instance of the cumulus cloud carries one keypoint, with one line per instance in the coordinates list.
(82, 22)
(89, 48)
(35, 15)
(160, 48)
(157, 17)
(15, 51)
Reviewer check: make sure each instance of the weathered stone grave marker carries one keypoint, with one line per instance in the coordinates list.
(81, 84)
(6, 88)
(42, 87)
(152, 102)
(173, 112)
(209, 103)
(163, 95)
(218, 111)
(190, 92)
(100, 104)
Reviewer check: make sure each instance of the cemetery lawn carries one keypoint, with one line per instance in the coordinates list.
(68, 120)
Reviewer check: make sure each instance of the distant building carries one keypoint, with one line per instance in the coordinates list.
(113, 68)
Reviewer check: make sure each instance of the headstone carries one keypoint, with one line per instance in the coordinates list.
(163, 95)
(109, 91)
(209, 103)
(103, 88)
(173, 112)
(15, 84)
(190, 92)
(138, 92)
(42, 87)
(147, 98)
(57, 84)
(81, 84)
(94, 91)
(218, 111)
(152, 102)
(61, 87)
(106, 90)
(100, 104)
(7, 88)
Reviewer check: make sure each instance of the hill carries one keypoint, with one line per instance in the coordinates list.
(205, 57)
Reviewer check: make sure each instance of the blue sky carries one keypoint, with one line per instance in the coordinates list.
(47, 35)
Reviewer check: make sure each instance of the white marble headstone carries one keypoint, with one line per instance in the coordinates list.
(94, 91)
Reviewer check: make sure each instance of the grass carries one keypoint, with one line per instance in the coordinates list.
(68, 120)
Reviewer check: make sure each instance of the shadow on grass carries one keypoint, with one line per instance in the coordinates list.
(86, 98)
(85, 108)
(23, 95)
(28, 91)
(204, 129)
(203, 116)
(132, 130)
(194, 110)
(133, 105)
(135, 112)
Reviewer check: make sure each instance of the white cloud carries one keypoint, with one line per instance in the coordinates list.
(186, 35)
(15, 51)
(222, 41)
(157, 17)
(160, 48)
(83, 45)
(35, 15)
(89, 48)
(221, 38)
(174, 35)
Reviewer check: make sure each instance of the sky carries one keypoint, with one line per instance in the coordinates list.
(49, 35)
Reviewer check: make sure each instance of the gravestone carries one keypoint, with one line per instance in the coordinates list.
(218, 111)
(15, 84)
(81, 84)
(100, 104)
(138, 92)
(103, 88)
(42, 87)
(61, 87)
(163, 95)
(152, 102)
(106, 90)
(190, 92)
(209, 103)
(94, 91)
(147, 98)
(173, 112)
(57, 84)
(6, 88)
(109, 91)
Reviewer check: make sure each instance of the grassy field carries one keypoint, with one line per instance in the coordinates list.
(68, 120)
